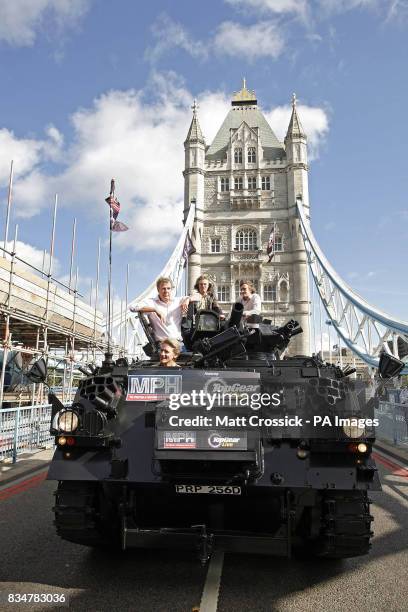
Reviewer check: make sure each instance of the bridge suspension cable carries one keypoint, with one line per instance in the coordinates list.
(364, 329)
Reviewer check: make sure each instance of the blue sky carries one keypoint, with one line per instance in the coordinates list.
(94, 89)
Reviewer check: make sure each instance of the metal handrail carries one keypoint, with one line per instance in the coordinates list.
(23, 429)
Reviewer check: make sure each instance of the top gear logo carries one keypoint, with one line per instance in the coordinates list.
(218, 385)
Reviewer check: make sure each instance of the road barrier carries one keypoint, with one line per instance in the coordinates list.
(24, 429)
(393, 422)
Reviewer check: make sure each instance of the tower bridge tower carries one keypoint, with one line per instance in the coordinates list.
(245, 183)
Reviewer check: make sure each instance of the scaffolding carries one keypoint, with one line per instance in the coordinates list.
(42, 316)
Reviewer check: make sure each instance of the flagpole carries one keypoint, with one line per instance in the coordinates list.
(110, 284)
(114, 226)
(108, 355)
(10, 190)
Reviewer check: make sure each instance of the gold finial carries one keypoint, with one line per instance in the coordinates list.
(195, 106)
(245, 95)
(294, 100)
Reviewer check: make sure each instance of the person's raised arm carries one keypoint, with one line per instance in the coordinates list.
(148, 307)
(184, 304)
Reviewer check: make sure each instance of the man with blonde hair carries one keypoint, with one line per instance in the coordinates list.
(164, 312)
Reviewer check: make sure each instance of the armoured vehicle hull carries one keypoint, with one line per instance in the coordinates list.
(141, 471)
(236, 448)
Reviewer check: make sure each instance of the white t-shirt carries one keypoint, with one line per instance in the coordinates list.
(252, 305)
(172, 313)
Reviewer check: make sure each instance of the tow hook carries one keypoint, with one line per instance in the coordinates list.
(205, 544)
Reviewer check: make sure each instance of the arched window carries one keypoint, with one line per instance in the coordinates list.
(245, 240)
(238, 183)
(215, 245)
(269, 293)
(251, 182)
(251, 155)
(283, 292)
(238, 156)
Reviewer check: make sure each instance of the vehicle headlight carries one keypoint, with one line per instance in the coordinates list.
(68, 421)
(353, 431)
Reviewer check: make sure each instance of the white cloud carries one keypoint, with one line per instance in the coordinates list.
(30, 187)
(398, 11)
(33, 256)
(315, 122)
(263, 39)
(26, 154)
(21, 20)
(213, 107)
(170, 34)
(341, 6)
(298, 7)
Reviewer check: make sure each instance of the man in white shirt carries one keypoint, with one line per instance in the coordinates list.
(249, 299)
(164, 312)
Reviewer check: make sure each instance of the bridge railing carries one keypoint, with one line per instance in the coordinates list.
(393, 423)
(24, 429)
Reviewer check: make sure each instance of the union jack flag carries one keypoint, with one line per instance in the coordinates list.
(188, 248)
(118, 226)
(270, 249)
(114, 205)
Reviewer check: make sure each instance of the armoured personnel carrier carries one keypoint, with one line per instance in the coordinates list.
(238, 448)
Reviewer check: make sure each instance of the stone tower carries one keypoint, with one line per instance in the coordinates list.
(245, 184)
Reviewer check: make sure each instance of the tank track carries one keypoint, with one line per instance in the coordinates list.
(77, 515)
(346, 525)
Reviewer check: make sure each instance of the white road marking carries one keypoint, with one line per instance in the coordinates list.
(209, 598)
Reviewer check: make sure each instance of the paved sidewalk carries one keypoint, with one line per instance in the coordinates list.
(27, 463)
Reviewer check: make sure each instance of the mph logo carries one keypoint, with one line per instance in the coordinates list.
(145, 388)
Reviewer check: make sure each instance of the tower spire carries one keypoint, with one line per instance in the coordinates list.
(295, 128)
(194, 133)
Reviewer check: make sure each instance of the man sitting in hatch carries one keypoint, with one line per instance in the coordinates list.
(169, 351)
(251, 302)
(164, 312)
